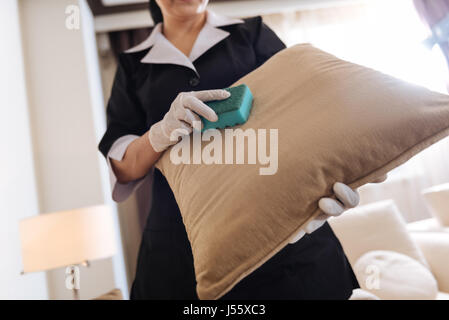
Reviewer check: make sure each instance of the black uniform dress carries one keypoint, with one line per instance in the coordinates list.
(314, 267)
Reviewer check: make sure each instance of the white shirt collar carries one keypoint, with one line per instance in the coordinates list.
(163, 51)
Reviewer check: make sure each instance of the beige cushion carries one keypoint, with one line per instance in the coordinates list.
(336, 121)
(376, 226)
(394, 276)
(435, 247)
(426, 225)
(437, 198)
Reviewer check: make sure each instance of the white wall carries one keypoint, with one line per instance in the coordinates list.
(17, 184)
(64, 125)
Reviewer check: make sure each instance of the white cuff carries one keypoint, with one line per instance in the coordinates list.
(298, 236)
(309, 228)
(120, 191)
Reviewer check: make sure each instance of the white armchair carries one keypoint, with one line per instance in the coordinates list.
(379, 226)
(435, 247)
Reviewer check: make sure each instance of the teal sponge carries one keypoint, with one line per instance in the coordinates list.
(231, 111)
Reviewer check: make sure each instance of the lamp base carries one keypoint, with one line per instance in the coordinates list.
(76, 294)
(72, 281)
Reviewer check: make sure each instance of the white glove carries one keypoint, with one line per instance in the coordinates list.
(180, 119)
(346, 199)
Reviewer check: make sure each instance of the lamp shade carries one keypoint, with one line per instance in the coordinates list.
(65, 238)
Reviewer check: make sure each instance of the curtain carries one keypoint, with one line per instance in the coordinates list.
(385, 35)
(123, 40)
(432, 13)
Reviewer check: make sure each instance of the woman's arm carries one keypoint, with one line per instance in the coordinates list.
(143, 152)
(126, 121)
(137, 160)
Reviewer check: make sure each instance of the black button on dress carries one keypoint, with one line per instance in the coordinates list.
(195, 81)
(141, 95)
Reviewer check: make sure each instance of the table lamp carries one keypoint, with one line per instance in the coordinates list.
(67, 239)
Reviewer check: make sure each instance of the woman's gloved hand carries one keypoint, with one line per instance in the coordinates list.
(346, 198)
(184, 111)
